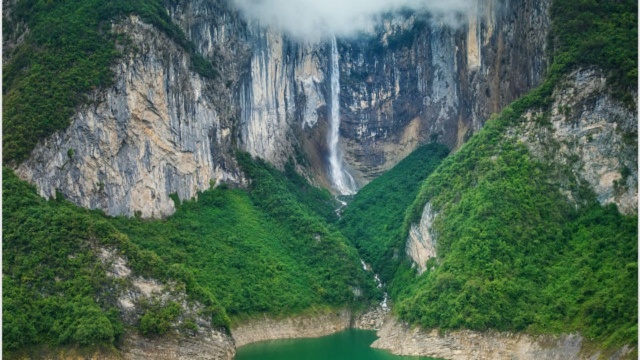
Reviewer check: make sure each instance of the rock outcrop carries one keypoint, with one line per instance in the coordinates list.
(418, 80)
(135, 295)
(421, 242)
(591, 135)
(411, 81)
(164, 129)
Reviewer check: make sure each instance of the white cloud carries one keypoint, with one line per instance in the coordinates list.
(314, 19)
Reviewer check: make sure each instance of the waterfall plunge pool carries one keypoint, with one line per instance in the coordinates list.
(351, 344)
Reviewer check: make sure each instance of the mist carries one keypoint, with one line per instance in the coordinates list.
(316, 19)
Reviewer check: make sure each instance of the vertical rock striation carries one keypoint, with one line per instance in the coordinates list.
(417, 80)
(163, 129)
(421, 243)
(156, 132)
(341, 179)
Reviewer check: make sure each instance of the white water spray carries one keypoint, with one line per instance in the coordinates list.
(342, 181)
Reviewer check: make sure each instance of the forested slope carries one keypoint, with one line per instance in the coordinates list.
(238, 252)
(523, 242)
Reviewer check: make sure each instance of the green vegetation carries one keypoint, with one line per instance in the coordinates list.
(513, 253)
(66, 53)
(157, 318)
(51, 276)
(598, 32)
(373, 220)
(262, 251)
(55, 286)
(236, 252)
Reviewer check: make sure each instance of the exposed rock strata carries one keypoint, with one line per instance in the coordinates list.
(157, 131)
(401, 339)
(163, 129)
(411, 81)
(210, 346)
(418, 80)
(373, 319)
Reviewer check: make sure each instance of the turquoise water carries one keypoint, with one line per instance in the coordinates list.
(346, 345)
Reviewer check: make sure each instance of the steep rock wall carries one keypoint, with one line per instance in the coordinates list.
(159, 130)
(411, 81)
(163, 129)
(419, 80)
(589, 137)
(422, 240)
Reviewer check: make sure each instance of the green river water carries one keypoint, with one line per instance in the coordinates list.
(346, 345)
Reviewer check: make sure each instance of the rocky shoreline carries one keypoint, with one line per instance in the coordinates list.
(267, 328)
(402, 339)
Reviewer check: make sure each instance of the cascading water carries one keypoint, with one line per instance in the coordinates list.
(342, 181)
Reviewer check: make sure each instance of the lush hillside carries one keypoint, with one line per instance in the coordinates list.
(373, 220)
(238, 252)
(262, 251)
(513, 252)
(56, 291)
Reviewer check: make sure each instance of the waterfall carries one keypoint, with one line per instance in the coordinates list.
(342, 181)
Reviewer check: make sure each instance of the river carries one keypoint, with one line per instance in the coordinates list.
(350, 344)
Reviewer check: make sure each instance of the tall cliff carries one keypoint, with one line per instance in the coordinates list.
(418, 81)
(160, 129)
(163, 129)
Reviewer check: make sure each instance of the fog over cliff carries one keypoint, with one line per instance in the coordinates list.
(314, 19)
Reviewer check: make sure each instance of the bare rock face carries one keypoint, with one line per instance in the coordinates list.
(417, 80)
(401, 339)
(591, 135)
(373, 319)
(590, 138)
(163, 129)
(411, 81)
(157, 131)
(421, 243)
(212, 346)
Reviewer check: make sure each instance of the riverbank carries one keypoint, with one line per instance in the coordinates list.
(401, 339)
(304, 326)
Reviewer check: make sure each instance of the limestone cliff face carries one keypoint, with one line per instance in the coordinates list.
(418, 80)
(591, 134)
(265, 328)
(282, 98)
(161, 129)
(590, 139)
(411, 81)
